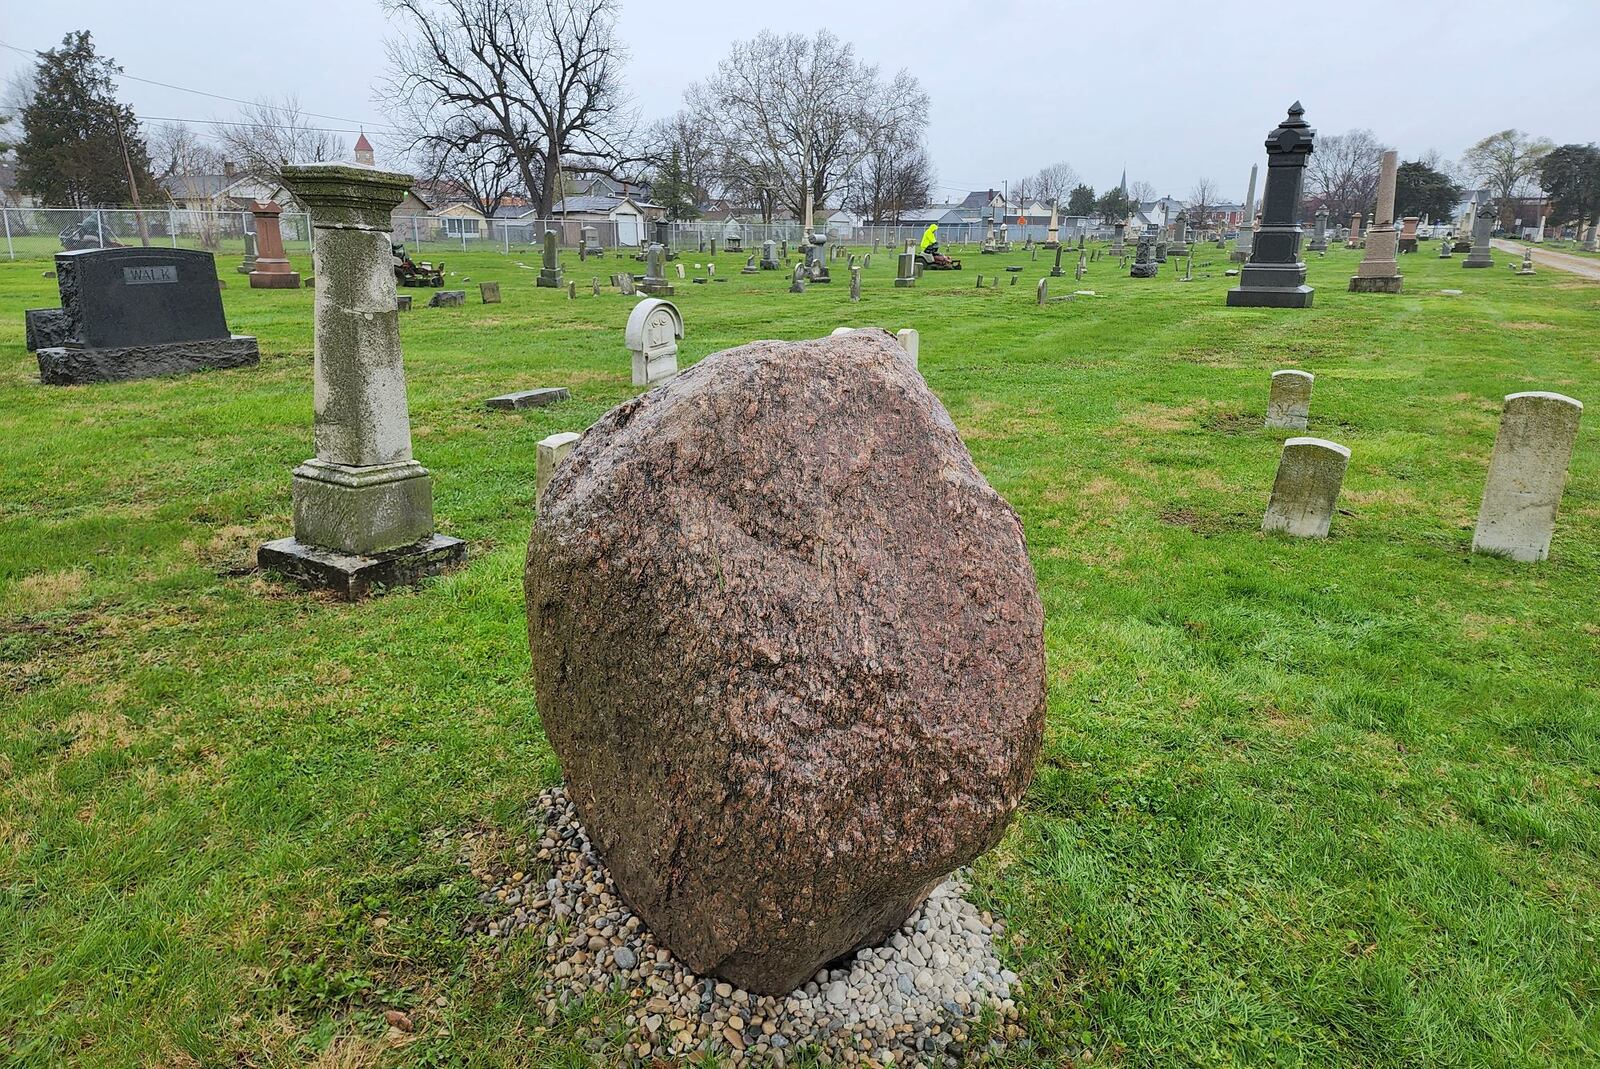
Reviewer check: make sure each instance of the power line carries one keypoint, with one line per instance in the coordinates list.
(232, 100)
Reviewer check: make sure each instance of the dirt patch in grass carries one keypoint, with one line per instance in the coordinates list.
(1161, 419)
(44, 591)
(1527, 324)
(1233, 423)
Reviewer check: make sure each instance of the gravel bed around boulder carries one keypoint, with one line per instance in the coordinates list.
(934, 994)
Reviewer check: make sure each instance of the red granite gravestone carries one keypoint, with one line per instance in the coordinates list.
(272, 265)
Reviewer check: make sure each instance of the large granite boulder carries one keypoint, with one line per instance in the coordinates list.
(789, 649)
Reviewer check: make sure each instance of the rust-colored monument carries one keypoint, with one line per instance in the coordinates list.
(271, 270)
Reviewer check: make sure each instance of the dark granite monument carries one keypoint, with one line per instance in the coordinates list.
(1275, 276)
(130, 313)
(1144, 261)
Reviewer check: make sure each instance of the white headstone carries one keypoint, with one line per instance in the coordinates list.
(1527, 473)
(1289, 403)
(652, 334)
(1310, 473)
(551, 452)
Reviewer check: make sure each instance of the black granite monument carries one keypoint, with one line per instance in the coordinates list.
(1275, 276)
(1144, 261)
(130, 313)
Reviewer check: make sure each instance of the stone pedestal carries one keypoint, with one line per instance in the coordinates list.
(1144, 263)
(1379, 272)
(1180, 236)
(1319, 235)
(1353, 239)
(1527, 474)
(1275, 276)
(550, 267)
(1247, 226)
(271, 269)
(655, 273)
(907, 274)
(1408, 234)
(363, 507)
(1118, 230)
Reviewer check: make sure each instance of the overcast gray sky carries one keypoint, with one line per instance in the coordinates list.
(1172, 90)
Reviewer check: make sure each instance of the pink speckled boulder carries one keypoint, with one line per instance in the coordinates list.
(789, 648)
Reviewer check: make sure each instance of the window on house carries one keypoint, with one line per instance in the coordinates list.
(456, 225)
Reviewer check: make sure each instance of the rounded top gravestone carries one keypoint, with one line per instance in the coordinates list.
(789, 648)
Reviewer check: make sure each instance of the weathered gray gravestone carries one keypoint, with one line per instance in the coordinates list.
(1180, 236)
(1379, 271)
(1275, 276)
(855, 282)
(1083, 265)
(1482, 229)
(130, 313)
(1055, 272)
(798, 284)
(1247, 226)
(652, 334)
(249, 263)
(1527, 473)
(447, 299)
(1306, 488)
(1527, 263)
(1144, 261)
(489, 292)
(550, 270)
(363, 507)
(1444, 249)
(1319, 234)
(907, 276)
(1043, 295)
(1117, 237)
(769, 256)
(655, 279)
(1289, 403)
(521, 399)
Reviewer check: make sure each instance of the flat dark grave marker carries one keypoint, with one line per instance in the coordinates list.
(131, 313)
(519, 399)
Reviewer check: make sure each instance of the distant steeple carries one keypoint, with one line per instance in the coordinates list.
(364, 150)
(1124, 183)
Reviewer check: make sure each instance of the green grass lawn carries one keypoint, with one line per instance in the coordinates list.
(1300, 803)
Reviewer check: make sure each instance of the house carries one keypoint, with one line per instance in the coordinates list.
(628, 218)
(459, 220)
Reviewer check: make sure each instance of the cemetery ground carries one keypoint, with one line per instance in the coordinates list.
(1300, 802)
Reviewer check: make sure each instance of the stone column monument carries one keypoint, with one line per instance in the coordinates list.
(1482, 228)
(1247, 226)
(1118, 234)
(1379, 272)
(1180, 236)
(1275, 276)
(550, 267)
(1319, 236)
(271, 268)
(363, 507)
(1052, 238)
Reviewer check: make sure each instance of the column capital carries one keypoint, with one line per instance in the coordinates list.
(343, 195)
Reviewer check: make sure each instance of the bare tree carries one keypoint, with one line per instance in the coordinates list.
(1504, 162)
(1053, 184)
(542, 78)
(1202, 203)
(485, 172)
(1342, 175)
(1141, 193)
(1019, 189)
(894, 177)
(695, 148)
(269, 137)
(807, 110)
(176, 149)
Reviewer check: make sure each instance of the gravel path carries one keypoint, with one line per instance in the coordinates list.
(920, 999)
(1561, 261)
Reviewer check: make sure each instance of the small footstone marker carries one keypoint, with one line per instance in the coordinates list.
(490, 292)
(910, 341)
(1527, 472)
(448, 299)
(855, 282)
(402, 302)
(530, 398)
(1289, 404)
(551, 452)
(1310, 473)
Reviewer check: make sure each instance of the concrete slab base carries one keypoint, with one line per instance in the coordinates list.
(69, 365)
(353, 577)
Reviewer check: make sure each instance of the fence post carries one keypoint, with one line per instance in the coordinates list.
(6, 215)
(172, 225)
(100, 226)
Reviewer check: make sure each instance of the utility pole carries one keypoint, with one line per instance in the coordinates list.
(133, 186)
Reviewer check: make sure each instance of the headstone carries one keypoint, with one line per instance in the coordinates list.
(550, 269)
(1482, 229)
(1306, 489)
(785, 248)
(1527, 473)
(447, 299)
(1319, 234)
(1144, 260)
(363, 507)
(652, 334)
(750, 267)
(1527, 262)
(589, 240)
(549, 454)
(1052, 238)
(627, 285)
(1043, 295)
(1055, 272)
(798, 283)
(489, 292)
(727, 598)
(1033, 253)
(1408, 233)
(910, 341)
(855, 283)
(1444, 249)
(572, 290)
(1353, 239)
(1275, 276)
(907, 276)
(1118, 248)
(1247, 225)
(594, 284)
(769, 256)
(402, 302)
(663, 229)
(816, 258)
(271, 271)
(1180, 236)
(1083, 266)
(249, 263)
(655, 279)
(1289, 403)
(130, 313)
(1379, 272)
(539, 398)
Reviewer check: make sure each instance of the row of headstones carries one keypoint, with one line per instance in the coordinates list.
(1527, 470)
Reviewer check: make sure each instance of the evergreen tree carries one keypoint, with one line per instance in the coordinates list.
(1113, 206)
(673, 191)
(1571, 176)
(1421, 190)
(78, 143)
(1081, 200)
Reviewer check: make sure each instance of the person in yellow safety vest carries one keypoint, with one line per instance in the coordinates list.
(930, 237)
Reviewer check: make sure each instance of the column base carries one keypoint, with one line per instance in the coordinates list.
(1295, 297)
(1380, 284)
(354, 576)
(362, 510)
(274, 280)
(69, 365)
